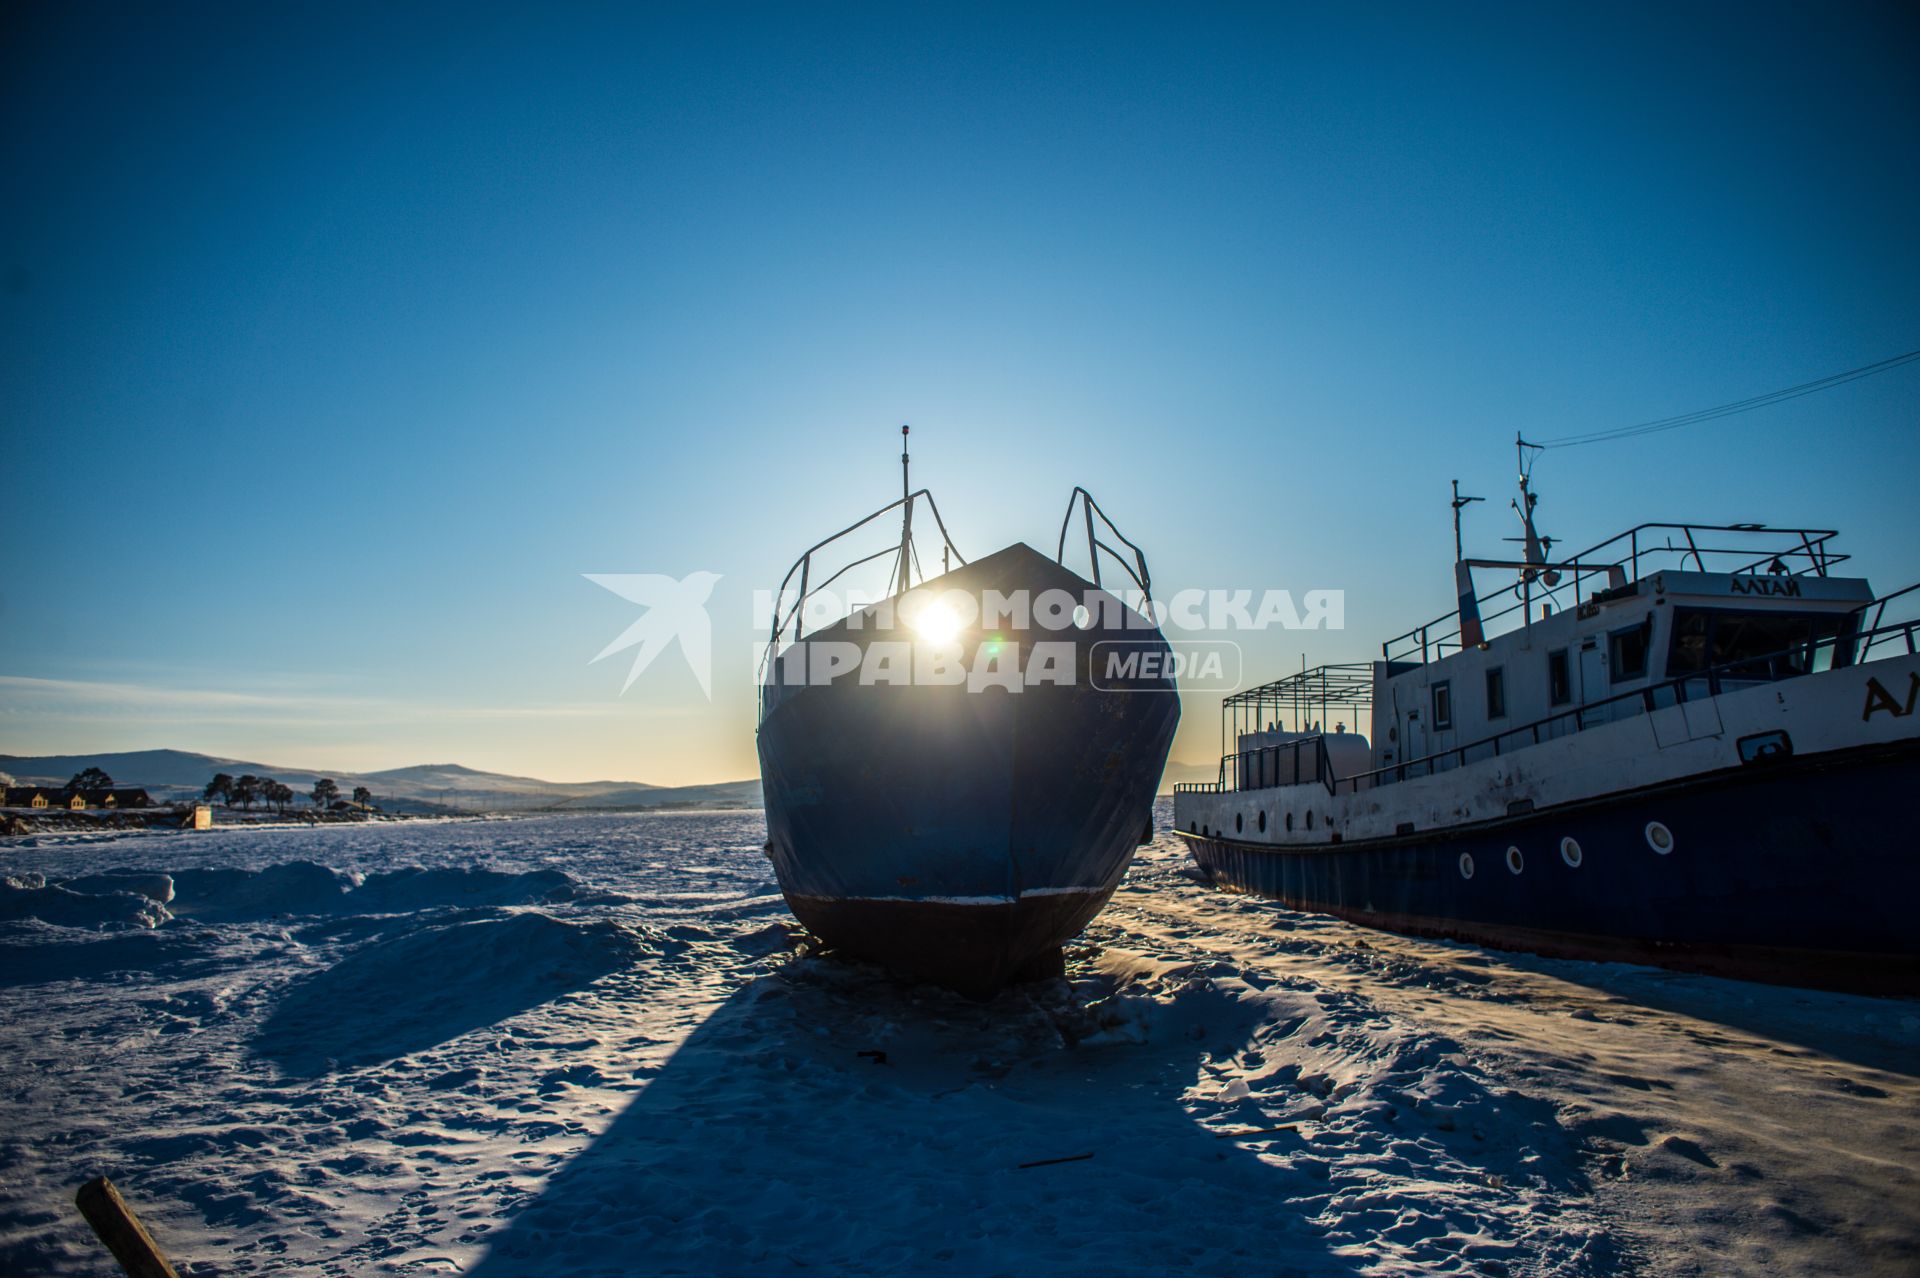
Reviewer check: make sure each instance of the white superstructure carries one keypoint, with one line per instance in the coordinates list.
(1704, 648)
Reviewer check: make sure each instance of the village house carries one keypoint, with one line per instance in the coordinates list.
(54, 796)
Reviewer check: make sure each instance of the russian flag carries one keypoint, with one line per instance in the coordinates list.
(1471, 635)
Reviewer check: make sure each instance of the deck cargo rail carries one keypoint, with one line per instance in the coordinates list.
(1788, 663)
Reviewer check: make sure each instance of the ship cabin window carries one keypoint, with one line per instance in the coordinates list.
(1497, 693)
(1756, 647)
(1559, 678)
(1442, 705)
(1627, 652)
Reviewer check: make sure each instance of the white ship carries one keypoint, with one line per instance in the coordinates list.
(1693, 745)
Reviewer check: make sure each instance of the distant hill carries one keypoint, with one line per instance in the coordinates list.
(723, 794)
(454, 776)
(150, 768)
(1178, 773)
(424, 787)
(429, 786)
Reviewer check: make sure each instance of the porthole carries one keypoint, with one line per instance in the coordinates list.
(1515, 862)
(1309, 820)
(1659, 838)
(1466, 865)
(1289, 820)
(1082, 619)
(1570, 852)
(1193, 827)
(1206, 832)
(1239, 823)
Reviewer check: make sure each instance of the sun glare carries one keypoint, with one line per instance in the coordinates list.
(937, 623)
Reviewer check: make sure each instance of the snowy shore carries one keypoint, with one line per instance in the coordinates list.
(584, 1045)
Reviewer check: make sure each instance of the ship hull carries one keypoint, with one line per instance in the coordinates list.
(975, 948)
(961, 833)
(1801, 871)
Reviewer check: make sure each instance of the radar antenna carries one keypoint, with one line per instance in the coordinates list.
(1536, 547)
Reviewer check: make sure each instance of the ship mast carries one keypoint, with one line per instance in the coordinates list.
(1458, 502)
(906, 518)
(1471, 633)
(1534, 547)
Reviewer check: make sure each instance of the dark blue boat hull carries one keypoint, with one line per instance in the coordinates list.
(1803, 872)
(961, 835)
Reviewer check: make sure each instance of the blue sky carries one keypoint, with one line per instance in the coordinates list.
(340, 344)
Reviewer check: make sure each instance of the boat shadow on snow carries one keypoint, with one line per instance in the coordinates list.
(832, 1118)
(1872, 1031)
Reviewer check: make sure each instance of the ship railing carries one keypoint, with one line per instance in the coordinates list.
(1299, 762)
(1136, 570)
(1310, 697)
(1644, 549)
(1849, 647)
(788, 617)
(1873, 621)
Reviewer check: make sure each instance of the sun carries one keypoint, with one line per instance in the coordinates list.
(937, 623)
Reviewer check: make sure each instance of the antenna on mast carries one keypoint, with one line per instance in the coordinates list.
(1535, 548)
(1458, 502)
(906, 518)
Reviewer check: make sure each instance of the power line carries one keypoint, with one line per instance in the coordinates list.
(1730, 410)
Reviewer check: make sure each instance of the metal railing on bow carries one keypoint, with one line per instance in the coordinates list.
(1136, 571)
(788, 617)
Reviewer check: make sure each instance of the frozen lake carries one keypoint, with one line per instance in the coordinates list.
(589, 1045)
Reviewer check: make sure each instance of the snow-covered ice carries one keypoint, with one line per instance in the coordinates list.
(599, 1045)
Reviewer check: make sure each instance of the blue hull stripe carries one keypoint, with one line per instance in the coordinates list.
(1803, 870)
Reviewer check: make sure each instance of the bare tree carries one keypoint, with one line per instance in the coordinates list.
(89, 779)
